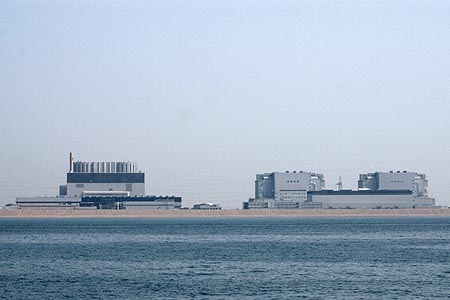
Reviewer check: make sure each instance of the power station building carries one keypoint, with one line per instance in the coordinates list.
(102, 185)
(380, 181)
(284, 190)
(287, 186)
(301, 190)
(103, 178)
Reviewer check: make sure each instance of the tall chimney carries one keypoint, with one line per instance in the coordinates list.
(70, 162)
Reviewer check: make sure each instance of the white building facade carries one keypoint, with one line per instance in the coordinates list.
(103, 177)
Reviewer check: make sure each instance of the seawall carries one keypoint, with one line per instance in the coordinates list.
(73, 213)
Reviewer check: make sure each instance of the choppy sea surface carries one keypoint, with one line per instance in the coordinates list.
(308, 258)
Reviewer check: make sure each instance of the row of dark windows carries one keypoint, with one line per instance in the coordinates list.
(105, 178)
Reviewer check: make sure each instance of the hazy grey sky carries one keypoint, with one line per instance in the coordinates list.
(205, 94)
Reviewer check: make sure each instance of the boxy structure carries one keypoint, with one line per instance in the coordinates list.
(102, 185)
(288, 190)
(305, 190)
(207, 206)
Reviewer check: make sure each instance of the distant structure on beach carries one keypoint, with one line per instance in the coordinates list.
(285, 190)
(207, 206)
(103, 179)
(287, 186)
(378, 181)
(102, 185)
(121, 185)
(302, 190)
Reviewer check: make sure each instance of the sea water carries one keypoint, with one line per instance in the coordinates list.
(260, 258)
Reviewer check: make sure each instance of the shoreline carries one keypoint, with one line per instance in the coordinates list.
(299, 213)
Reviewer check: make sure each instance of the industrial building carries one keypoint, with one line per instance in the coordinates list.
(102, 185)
(288, 190)
(207, 206)
(305, 190)
(131, 203)
(48, 202)
(288, 186)
(361, 199)
(379, 181)
(103, 178)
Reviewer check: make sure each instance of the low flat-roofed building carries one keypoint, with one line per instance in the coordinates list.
(423, 202)
(272, 204)
(362, 199)
(125, 202)
(48, 202)
(207, 206)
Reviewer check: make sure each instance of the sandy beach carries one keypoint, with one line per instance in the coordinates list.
(37, 213)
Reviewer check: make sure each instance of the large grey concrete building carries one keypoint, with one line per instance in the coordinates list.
(80, 183)
(284, 190)
(297, 190)
(102, 185)
(287, 186)
(103, 178)
(398, 180)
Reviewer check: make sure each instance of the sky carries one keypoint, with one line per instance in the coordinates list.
(206, 94)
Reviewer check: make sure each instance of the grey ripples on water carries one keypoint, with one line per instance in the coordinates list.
(312, 258)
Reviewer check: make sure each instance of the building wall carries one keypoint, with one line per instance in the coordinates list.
(259, 204)
(394, 181)
(272, 204)
(289, 186)
(77, 183)
(151, 205)
(207, 206)
(105, 167)
(420, 185)
(48, 202)
(124, 202)
(423, 202)
(361, 199)
(368, 181)
(264, 186)
(291, 195)
(77, 189)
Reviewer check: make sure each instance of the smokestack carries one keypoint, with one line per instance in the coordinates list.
(70, 162)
